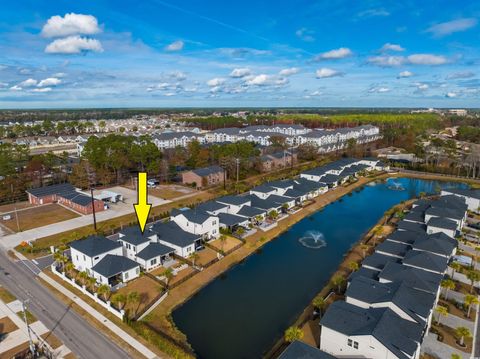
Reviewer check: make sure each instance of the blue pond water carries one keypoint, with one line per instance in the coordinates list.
(242, 313)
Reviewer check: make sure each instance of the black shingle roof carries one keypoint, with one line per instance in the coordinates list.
(234, 200)
(412, 226)
(134, 236)
(154, 250)
(406, 237)
(192, 215)
(94, 245)
(442, 223)
(250, 212)
(413, 277)
(364, 272)
(438, 243)
(445, 212)
(77, 198)
(464, 192)
(426, 260)
(211, 206)
(263, 188)
(111, 265)
(379, 261)
(203, 172)
(300, 350)
(50, 190)
(230, 219)
(170, 232)
(398, 335)
(393, 248)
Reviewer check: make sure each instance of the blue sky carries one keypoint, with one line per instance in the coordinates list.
(102, 53)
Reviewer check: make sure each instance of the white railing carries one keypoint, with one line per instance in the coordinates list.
(107, 305)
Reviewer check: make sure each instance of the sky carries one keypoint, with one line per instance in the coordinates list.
(209, 53)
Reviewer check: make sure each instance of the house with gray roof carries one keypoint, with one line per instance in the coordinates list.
(393, 249)
(442, 225)
(414, 277)
(112, 270)
(471, 197)
(426, 261)
(154, 255)
(196, 222)
(378, 261)
(204, 177)
(86, 253)
(351, 331)
(300, 350)
(171, 235)
(437, 243)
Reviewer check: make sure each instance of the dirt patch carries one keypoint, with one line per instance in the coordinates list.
(449, 338)
(38, 217)
(205, 256)
(147, 289)
(7, 326)
(182, 274)
(6, 296)
(6, 208)
(229, 243)
(52, 340)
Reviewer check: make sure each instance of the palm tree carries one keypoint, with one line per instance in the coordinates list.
(222, 239)
(132, 299)
(292, 334)
(455, 268)
(60, 259)
(462, 333)
(69, 268)
(83, 276)
(353, 266)
(91, 283)
(319, 303)
(119, 299)
(470, 300)
(448, 285)
(442, 312)
(193, 257)
(168, 275)
(273, 215)
(338, 281)
(473, 276)
(104, 290)
(258, 218)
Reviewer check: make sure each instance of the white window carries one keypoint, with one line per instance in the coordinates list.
(349, 342)
(126, 275)
(153, 261)
(355, 345)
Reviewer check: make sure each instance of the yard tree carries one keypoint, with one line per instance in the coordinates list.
(470, 300)
(168, 275)
(353, 266)
(133, 298)
(222, 239)
(119, 300)
(462, 333)
(273, 214)
(455, 268)
(69, 268)
(91, 283)
(448, 285)
(442, 312)
(193, 257)
(319, 303)
(338, 281)
(364, 248)
(60, 259)
(473, 276)
(292, 334)
(104, 290)
(83, 276)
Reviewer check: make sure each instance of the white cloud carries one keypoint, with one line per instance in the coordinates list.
(450, 27)
(305, 34)
(178, 75)
(217, 81)
(175, 46)
(391, 47)
(60, 74)
(326, 72)
(461, 75)
(379, 89)
(73, 45)
(316, 93)
(373, 13)
(70, 24)
(339, 53)
(258, 80)
(51, 81)
(427, 59)
(240, 72)
(450, 94)
(44, 89)
(415, 59)
(422, 86)
(216, 89)
(15, 88)
(405, 74)
(387, 60)
(290, 71)
(28, 83)
(281, 81)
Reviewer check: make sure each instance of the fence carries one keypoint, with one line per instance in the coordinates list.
(118, 313)
(151, 306)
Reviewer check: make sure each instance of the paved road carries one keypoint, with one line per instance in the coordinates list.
(83, 339)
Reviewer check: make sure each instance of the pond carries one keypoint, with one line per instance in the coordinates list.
(245, 311)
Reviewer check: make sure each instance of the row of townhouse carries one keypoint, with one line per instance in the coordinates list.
(294, 135)
(114, 261)
(389, 301)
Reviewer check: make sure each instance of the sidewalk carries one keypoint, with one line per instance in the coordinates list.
(100, 318)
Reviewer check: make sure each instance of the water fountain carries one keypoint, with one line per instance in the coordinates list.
(395, 186)
(313, 240)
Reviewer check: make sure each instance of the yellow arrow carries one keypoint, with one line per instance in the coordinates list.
(142, 208)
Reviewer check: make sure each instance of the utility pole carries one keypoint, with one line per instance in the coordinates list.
(15, 209)
(93, 212)
(30, 342)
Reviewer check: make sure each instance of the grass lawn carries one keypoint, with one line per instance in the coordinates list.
(7, 326)
(170, 191)
(52, 340)
(6, 296)
(182, 274)
(229, 243)
(449, 338)
(39, 216)
(147, 289)
(6, 208)
(30, 317)
(205, 256)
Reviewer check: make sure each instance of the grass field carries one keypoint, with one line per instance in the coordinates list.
(6, 208)
(6, 296)
(147, 289)
(39, 216)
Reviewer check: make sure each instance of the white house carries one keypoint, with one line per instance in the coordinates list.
(472, 197)
(234, 203)
(349, 331)
(86, 253)
(171, 235)
(437, 225)
(197, 223)
(114, 269)
(263, 191)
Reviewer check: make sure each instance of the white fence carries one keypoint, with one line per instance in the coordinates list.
(107, 305)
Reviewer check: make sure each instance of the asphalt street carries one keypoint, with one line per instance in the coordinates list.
(76, 333)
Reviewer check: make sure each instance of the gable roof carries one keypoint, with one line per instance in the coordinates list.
(443, 223)
(78, 198)
(411, 226)
(50, 190)
(398, 335)
(379, 261)
(426, 260)
(211, 206)
(206, 171)
(134, 235)
(263, 188)
(154, 250)
(230, 219)
(393, 248)
(170, 232)
(300, 350)
(94, 245)
(413, 277)
(464, 192)
(445, 212)
(192, 215)
(234, 200)
(438, 243)
(111, 265)
(407, 237)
